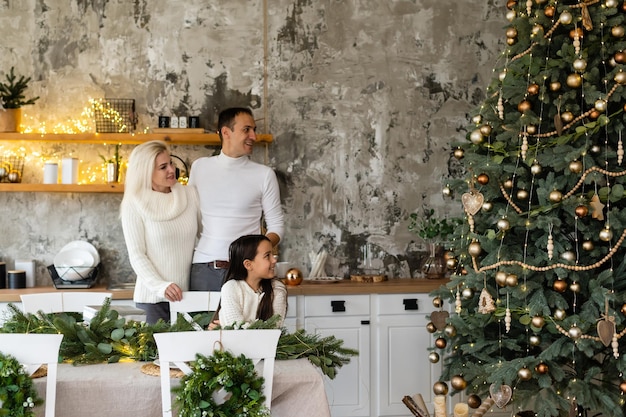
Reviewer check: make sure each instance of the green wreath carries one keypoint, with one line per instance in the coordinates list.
(222, 370)
(18, 396)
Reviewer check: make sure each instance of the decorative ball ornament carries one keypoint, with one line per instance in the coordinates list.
(485, 130)
(568, 256)
(477, 119)
(474, 249)
(538, 322)
(541, 368)
(474, 401)
(508, 184)
(594, 114)
(581, 211)
(446, 191)
(574, 80)
(533, 89)
(575, 287)
(579, 65)
(576, 33)
(534, 340)
(467, 293)
(622, 386)
(482, 179)
(620, 77)
(458, 383)
(524, 374)
(522, 194)
(560, 314)
(433, 357)
(610, 3)
(617, 31)
(501, 278)
(596, 149)
(605, 234)
(548, 11)
(511, 32)
(576, 167)
(293, 277)
(537, 30)
(555, 86)
(623, 309)
(620, 57)
(450, 330)
(452, 263)
(459, 153)
(440, 388)
(431, 328)
(565, 18)
(600, 105)
(567, 116)
(555, 196)
(511, 280)
(531, 129)
(476, 137)
(511, 15)
(587, 245)
(437, 302)
(487, 206)
(14, 176)
(560, 285)
(504, 224)
(511, 41)
(502, 75)
(510, 4)
(524, 106)
(441, 343)
(535, 168)
(575, 332)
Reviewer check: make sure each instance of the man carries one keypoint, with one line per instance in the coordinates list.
(235, 193)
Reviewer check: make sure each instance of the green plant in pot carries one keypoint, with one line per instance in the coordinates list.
(113, 165)
(12, 99)
(435, 231)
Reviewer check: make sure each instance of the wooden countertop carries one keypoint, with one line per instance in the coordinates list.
(392, 286)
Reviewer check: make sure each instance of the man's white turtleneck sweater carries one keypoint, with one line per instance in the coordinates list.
(160, 233)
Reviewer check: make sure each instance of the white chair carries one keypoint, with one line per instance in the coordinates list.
(181, 347)
(194, 301)
(33, 350)
(58, 302)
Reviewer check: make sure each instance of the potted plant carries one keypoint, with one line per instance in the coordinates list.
(12, 98)
(112, 165)
(435, 231)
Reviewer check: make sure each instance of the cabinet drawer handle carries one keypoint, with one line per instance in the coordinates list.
(410, 303)
(365, 322)
(337, 306)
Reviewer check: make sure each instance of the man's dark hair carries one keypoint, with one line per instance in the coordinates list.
(227, 118)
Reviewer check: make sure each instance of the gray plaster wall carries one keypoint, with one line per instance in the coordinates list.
(363, 98)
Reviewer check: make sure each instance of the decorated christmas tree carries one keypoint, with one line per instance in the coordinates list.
(538, 290)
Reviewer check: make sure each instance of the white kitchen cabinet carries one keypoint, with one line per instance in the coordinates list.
(347, 317)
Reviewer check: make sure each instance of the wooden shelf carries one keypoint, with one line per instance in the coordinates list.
(182, 138)
(62, 188)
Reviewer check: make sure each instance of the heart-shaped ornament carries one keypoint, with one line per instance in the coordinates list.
(438, 318)
(472, 202)
(501, 396)
(606, 330)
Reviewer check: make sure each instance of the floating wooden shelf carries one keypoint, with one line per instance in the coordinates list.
(61, 188)
(181, 138)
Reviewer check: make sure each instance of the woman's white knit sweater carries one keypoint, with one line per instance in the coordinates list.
(160, 233)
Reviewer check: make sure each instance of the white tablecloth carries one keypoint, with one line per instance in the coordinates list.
(122, 390)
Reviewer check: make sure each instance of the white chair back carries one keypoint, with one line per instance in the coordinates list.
(58, 302)
(33, 350)
(181, 347)
(194, 301)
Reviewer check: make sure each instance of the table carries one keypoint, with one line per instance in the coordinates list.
(122, 390)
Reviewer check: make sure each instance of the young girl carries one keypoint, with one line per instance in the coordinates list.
(250, 291)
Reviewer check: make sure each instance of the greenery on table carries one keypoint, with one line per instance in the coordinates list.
(431, 228)
(110, 338)
(18, 396)
(221, 373)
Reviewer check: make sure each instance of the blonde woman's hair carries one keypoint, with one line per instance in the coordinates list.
(140, 168)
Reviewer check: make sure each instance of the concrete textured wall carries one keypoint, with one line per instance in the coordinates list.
(363, 98)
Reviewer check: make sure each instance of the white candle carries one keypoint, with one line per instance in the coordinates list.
(461, 410)
(69, 172)
(440, 406)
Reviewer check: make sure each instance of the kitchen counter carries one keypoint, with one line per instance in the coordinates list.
(392, 286)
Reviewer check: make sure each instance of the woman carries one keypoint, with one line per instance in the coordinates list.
(161, 221)
(250, 291)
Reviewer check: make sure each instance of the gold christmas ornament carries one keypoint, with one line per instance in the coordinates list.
(459, 153)
(437, 302)
(524, 106)
(574, 332)
(450, 330)
(549, 11)
(474, 249)
(574, 287)
(579, 65)
(511, 280)
(567, 116)
(487, 206)
(293, 277)
(446, 191)
(476, 119)
(458, 383)
(581, 211)
(576, 167)
(623, 309)
(560, 285)
(531, 129)
(503, 224)
(511, 32)
(574, 80)
(467, 293)
(620, 57)
(600, 105)
(511, 41)
(440, 388)
(522, 194)
(594, 114)
(511, 15)
(587, 245)
(533, 89)
(622, 386)
(485, 130)
(617, 31)
(605, 234)
(568, 256)
(537, 30)
(620, 77)
(610, 3)
(433, 357)
(441, 343)
(524, 374)
(555, 86)
(559, 314)
(534, 340)
(431, 328)
(508, 184)
(474, 401)
(510, 4)
(555, 196)
(501, 278)
(452, 263)
(476, 137)
(482, 179)
(565, 18)
(535, 168)
(541, 368)
(538, 322)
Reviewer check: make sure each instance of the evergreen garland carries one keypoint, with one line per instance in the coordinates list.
(18, 397)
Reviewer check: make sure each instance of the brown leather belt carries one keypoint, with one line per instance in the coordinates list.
(219, 264)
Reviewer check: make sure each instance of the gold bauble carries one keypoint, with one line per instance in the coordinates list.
(622, 386)
(431, 328)
(511, 15)
(458, 383)
(503, 224)
(511, 41)
(501, 278)
(440, 388)
(535, 168)
(476, 137)
(560, 285)
(524, 106)
(620, 77)
(474, 249)
(555, 196)
(566, 18)
(433, 357)
(576, 167)
(508, 184)
(596, 149)
(487, 206)
(587, 245)
(605, 234)
(555, 86)
(459, 153)
(533, 89)
(537, 30)
(293, 277)
(474, 401)
(600, 105)
(452, 263)
(623, 309)
(437, 302)
(441, 343)
(576, 33)
(541, 368)
(467, 293)
(579, 64)
(567, 116)
(485, 130)
(531, 129)
(450, 330)
(510, 4)
(522, 194)
(611, 3)
(594, 114)
(560, 314)
(620, 57)
(511, 280)
(549, 11)
(617, 31)
(524, 374)
(574, 287)
(568, 256)
(446, 191)
(482, 179)
(477, 118)
(534, 340)
(574, 80)
(511, 32)
(574, 332)
(581, 211)
(538, 321)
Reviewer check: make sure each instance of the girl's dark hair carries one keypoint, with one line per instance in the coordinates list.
(244, 248)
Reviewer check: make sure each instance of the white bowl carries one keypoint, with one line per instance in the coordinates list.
(74, 264)
(81, 244)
